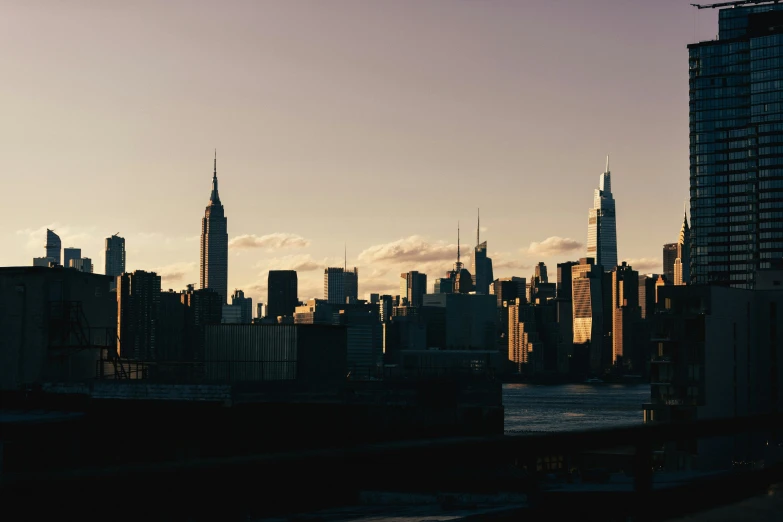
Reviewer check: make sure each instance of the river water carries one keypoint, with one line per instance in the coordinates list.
(568, 407)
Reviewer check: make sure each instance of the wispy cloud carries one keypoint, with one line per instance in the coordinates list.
(275, 241)
(411, 249)
(645, 264)
(553, 246)
(177, 272)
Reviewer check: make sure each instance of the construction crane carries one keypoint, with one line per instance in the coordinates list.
(735, 4)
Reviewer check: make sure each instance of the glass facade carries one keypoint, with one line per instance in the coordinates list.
(736, 147)
(602, 224)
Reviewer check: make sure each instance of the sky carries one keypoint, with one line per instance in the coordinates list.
(374, 126)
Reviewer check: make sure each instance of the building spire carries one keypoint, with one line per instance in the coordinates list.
(607, 163)
(458, 263)
(478, 226)
(214, 197)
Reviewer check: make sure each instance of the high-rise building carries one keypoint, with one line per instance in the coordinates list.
(115, 256)
(602, 224)
(626, 313)
(70, 253)
(341, 285)
(245, 305)
(138, 305)
(670, 255)
(736, 147)
(53, 246)
(482, 265)
(588, 309)
(509, 289)
(413, 286)
(282, 293)
(82, 264)
(214, 243)
(683, 261)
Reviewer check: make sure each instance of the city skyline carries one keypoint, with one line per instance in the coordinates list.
(296, 193)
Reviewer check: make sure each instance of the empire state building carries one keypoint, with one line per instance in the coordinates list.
(214, 243)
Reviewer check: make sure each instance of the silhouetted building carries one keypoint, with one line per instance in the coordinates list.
(55, 325)
(540, 274)
(71, 254)
(682, 263)
(202, 307)
(171, 327)
(736, 128)
(626, 314)
(138, 305)
(83, 264)
(469, 322)
(413, 286)
(716, 353)
(670, 255)
(245, 305)
(443, 285)
(602, 224)
(214, 244)
(282, 293)
(509, 289)
(115, 256)
(53, 246)
(482, 265)
(341, 285)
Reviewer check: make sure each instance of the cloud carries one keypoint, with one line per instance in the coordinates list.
(409, 250)
(274, 241)
(299, 262)
(553, 246)
(176, 272)
(509, 263)
(645, 264)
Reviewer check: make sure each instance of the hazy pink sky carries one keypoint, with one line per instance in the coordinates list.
(378, 124)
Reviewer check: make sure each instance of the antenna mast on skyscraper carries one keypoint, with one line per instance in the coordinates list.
(458, 267)
(478, 226)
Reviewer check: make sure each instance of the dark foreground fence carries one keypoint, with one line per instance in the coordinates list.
(274, 483)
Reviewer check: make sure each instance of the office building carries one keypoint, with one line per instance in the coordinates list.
(282, 293)
(602, 224)
(53, 246)
(626, 314)
(138, 305)
(69, 254)
(413, 286)
(670, 255)
(481, 264)
(588, 308)
(214, 243)
(341, 285)
(115, 256)
(244, 304)
(508, 289)
(82, 264)
(736, 147)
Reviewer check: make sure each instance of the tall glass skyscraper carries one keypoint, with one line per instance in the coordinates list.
(602, 224)
(736, 147)
(115, 256)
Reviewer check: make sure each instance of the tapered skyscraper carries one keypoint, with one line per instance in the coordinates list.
(601, 224)
(214, 243)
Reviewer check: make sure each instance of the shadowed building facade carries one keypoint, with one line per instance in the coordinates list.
(214, 244)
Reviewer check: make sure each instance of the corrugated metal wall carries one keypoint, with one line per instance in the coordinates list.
(246, 352)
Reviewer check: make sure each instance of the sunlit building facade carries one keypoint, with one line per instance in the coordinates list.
(602, 225)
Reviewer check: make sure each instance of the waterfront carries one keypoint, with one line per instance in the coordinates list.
(568, 407)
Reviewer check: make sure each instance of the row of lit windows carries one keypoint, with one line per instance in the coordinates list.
(771, 255)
